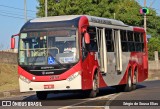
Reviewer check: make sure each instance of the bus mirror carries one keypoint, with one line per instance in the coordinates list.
(87, 38)
(12, 43)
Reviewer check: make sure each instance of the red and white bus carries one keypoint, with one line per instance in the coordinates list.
(80, 53)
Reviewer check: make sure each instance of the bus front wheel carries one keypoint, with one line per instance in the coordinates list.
(94, 91)
(41, 95)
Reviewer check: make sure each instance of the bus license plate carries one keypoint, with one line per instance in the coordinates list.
(49, 86)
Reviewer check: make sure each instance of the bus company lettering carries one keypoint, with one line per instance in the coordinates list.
(47, 73)
(100, 21)
(47, 67)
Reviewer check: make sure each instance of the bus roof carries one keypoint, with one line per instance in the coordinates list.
(70, 21)
(71, 17)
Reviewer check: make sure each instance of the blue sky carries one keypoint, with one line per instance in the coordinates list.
(12, 17)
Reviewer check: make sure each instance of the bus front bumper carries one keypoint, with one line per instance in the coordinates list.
(74, 84)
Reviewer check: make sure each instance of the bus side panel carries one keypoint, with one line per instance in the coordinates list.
(86, 74)
(124, 79)
(138, 61)
(89, 66)
(144, 69)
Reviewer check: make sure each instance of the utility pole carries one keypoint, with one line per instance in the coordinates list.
(46, 8)
(145, 18)
(114, 14)
(25, 11)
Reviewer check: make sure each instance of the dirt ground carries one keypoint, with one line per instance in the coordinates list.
(8, 77)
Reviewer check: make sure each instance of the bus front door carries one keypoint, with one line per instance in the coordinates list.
(102, 56)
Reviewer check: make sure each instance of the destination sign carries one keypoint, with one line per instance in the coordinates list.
(49, 33)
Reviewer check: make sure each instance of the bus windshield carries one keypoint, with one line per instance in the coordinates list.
(50, 47)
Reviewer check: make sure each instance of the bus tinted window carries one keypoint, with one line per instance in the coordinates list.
(131, 46)
(132, 41)
(109, 40)
(141, 37)
(139, 41)
(130, 36)
(93, 39)
(137, 37)
(124, 41)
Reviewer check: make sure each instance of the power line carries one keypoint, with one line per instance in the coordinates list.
(152, 3)
(16, 8)
(6, 12)
(11, 16)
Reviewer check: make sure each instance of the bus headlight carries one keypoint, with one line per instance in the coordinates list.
(24, 79)
(73, 76)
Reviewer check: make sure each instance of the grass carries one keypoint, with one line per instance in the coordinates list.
(8, 77)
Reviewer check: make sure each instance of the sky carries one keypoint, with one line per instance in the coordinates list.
(12, 17)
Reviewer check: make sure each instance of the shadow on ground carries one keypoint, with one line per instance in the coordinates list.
(80, 96)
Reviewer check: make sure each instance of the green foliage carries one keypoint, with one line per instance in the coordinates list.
(124, 10)
(153, 45)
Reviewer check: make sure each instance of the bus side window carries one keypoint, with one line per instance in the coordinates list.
(131, 43)
(93, 39)
(142, 40)
(124, 42)
(139, 41)
(109, 40)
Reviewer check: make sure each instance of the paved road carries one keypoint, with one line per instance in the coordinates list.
(149, 90)
(146, 93)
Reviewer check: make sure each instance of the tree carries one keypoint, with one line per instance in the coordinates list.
(124, 10)
(153, 45)
(69, 7)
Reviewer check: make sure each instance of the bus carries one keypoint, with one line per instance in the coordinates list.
(80, 53)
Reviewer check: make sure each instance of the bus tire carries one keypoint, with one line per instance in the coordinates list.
(94, 91)
(41, 95)
(128, 86)
(134, 84)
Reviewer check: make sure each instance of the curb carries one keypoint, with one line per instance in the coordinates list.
(13, 93)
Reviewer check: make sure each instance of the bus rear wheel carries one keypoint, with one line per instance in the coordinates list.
(134, 86)
(41, 95)
(128, 86)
